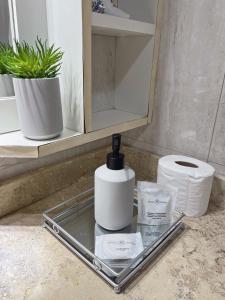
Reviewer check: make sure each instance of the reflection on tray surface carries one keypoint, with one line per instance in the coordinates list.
(111, 251)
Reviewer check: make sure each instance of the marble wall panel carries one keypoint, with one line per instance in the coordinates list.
(189, 81)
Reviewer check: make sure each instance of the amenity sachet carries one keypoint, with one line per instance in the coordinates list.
(155, 203)
(118, 246)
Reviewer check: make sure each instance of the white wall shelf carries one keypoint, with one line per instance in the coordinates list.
(104, 24)
(108, 118)
(114, 86)
(14, 144)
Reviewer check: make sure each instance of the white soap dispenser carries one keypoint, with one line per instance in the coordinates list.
(114, 190)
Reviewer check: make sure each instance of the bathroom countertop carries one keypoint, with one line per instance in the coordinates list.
(36, 266)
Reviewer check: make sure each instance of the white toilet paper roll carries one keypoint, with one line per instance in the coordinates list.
(192, 180)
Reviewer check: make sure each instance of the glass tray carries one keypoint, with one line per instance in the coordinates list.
(73, 223)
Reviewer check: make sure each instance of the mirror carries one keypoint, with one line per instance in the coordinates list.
(30, 20)
(6, 85)
(60, 23)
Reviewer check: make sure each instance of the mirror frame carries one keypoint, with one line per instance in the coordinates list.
(14, 34)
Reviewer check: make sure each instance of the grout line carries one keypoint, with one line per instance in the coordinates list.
(157, 146)
(115, 67)
(216, 117)
(221, 165)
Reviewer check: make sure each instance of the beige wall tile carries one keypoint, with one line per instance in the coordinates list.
(189, 81)
(217, 151)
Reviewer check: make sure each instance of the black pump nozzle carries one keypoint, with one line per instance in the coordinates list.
(115, 159)
(116, 140)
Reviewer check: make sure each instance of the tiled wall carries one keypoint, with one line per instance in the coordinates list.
(189, 110)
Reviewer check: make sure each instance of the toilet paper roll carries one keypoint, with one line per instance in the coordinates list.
(192, 180)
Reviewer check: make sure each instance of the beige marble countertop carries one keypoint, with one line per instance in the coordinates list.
(36, 266)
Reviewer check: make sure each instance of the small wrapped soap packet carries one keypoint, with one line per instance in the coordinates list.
(155, 203)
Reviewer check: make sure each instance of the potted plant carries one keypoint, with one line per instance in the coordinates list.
(37, 90)
(6, 85)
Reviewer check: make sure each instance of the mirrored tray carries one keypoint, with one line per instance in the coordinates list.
(73, 223)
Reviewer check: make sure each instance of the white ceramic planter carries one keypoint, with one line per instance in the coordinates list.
(39, 107)
(6, 86)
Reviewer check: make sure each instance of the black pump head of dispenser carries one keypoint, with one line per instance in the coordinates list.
(115, 159)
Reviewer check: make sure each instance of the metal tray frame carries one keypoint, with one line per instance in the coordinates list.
(121, 279)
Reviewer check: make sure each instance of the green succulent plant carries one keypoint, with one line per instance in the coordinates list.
(40, 61)
(6, 52)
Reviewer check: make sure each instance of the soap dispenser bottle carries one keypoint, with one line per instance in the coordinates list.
(114, 190)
